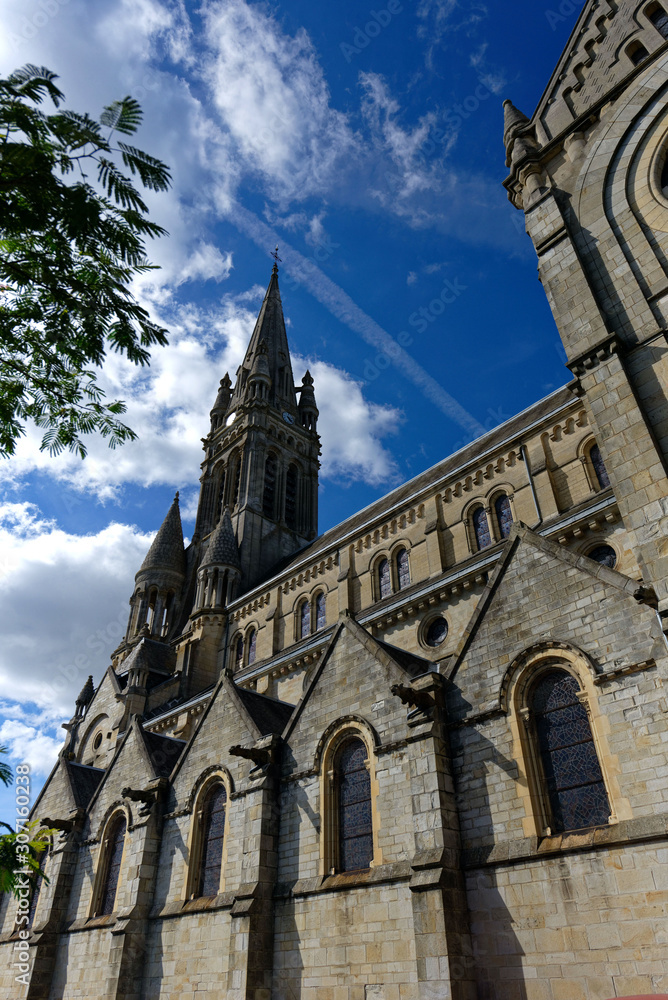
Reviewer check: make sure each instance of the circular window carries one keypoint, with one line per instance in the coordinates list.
(605, 555)
(436, 632)
(97, 742)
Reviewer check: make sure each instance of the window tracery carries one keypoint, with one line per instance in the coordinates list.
(212, 822)
(355, 831)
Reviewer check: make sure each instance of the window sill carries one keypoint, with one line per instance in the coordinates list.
(535, 848)
(400, 871)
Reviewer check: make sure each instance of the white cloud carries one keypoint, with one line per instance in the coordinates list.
(48, 647)
(272, 98)
(411, 278)
(28, 745)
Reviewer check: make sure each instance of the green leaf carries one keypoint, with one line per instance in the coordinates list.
(122, 116)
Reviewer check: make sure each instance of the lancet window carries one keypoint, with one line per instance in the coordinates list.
(481, 528)
(269, 495)
(113, 856)
(504, 515)
(355, 830)
(384, 579)
(599, 467)
(403, 569)
(291, 484)
(212, 820)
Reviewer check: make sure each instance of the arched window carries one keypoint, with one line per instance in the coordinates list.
(574, 785)
(603, 554)
(504, 515)
(320, 611)
(239, 652)
(598, 466)
(403, 569)
(236, 478)
(355, 832)
(269, 495)
(291, 481)
(637, 52)
(113, 851)
(252, 640)
(659, 18)
(304, 619)
(481, 528)
(221, 493)
(384, 580)
(212, 819)
(37, 885)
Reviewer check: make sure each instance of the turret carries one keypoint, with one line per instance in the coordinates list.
(159, 582)
(220, 571)
(222, 403)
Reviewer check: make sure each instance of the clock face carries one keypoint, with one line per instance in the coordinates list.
(289, 419)
(230, 419)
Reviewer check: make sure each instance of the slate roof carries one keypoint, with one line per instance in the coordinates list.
(84, 781)
(166, 551)
(223, 549)
(412, 664)
(269, 715)
(164, 752)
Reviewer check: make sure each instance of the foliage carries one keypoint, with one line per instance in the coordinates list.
(13, 853)
(68, 254)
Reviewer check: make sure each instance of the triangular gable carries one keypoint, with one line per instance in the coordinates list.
(230, 714)
(541, 591)
(367, 668)
(590, 65)
(56, 798)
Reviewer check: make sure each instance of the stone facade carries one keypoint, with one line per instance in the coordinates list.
(420, 633)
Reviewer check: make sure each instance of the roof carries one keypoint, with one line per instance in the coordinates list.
(164, 752)
(166, 551)
(156, 657)
(269, 715)
(223, 549)
(84, 781)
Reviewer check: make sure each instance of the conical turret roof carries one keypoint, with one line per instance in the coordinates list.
(270, 330)
(513, 119)
(166, 551)
(224, 393)
(86, 693)
(223, 549)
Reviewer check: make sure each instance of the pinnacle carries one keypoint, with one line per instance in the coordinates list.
(513, 119)
(223, 549)
(166, 551)
(86, 693)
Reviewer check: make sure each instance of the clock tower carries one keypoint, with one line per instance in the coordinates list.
(261, 453)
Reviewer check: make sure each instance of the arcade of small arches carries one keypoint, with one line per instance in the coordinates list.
(392, 572)
(153, 607)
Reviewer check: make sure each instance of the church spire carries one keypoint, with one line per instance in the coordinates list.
(268, 355)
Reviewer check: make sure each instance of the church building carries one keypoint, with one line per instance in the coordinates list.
(423, 755)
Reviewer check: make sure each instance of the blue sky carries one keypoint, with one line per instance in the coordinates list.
(367, 143)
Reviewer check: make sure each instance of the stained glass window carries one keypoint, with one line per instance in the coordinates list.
(304, 619)
(385, 584)
(37, 885)
(114, 851)
(291, 497)
(252, 639)
(605, 555)
(213, 832)
(403, 569)
(240, 651)
(504, 515)
(659, 19)
(354, 791)
(269, 494)
(437, 632)
(320, 611)
(599, 467)
(575, 786)
(481, 528)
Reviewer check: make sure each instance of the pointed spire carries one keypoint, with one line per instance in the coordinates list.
(308, 411)
(270, 329)
(166, 551)
(513, 120)
(223, 549)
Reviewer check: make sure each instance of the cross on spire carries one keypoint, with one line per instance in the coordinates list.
(274, 254)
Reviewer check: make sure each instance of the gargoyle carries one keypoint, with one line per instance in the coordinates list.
(259, 756)
(63, 825)
(409, 696)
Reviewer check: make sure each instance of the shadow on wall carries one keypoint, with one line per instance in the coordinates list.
(498, 956)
